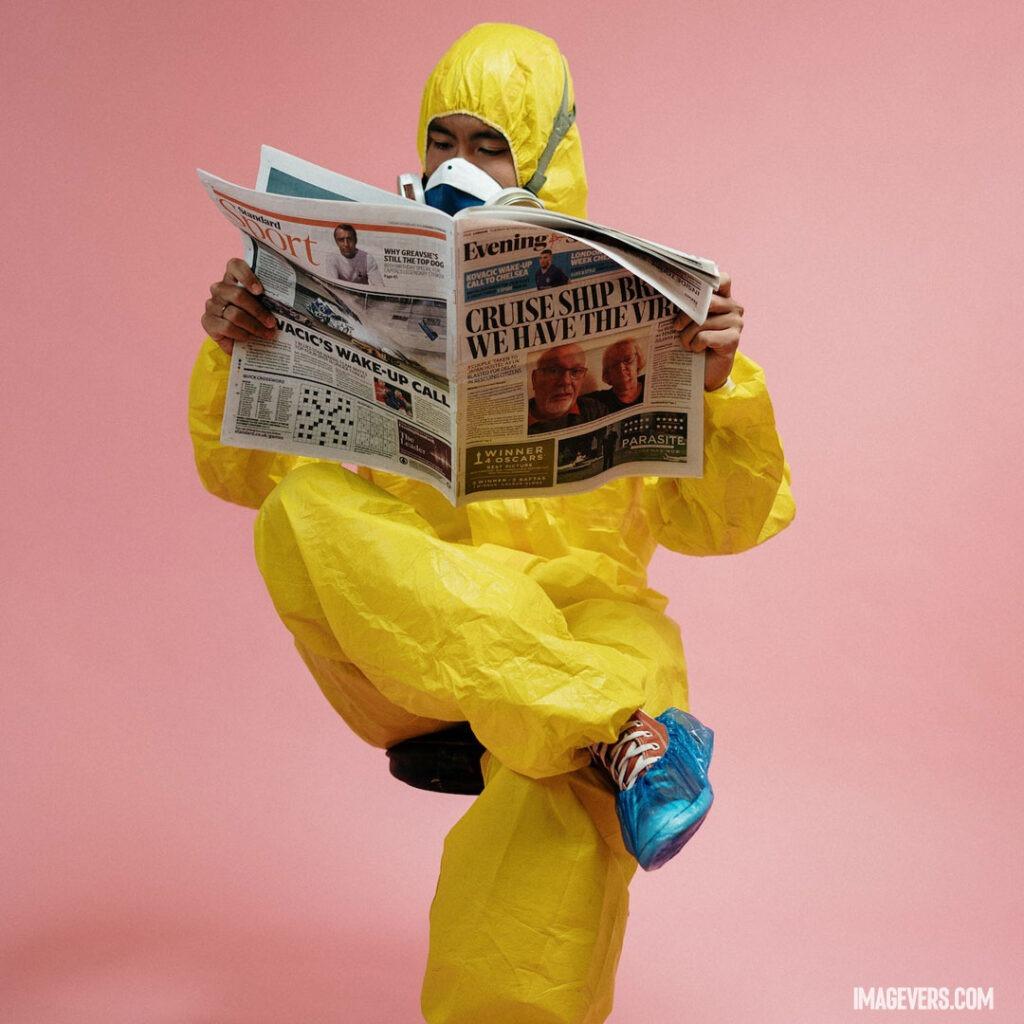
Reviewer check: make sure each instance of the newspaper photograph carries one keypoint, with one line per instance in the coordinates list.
(570, 366)
(501, 351)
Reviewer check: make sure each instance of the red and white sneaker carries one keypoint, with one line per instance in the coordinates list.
(661, 767)
(641, 743)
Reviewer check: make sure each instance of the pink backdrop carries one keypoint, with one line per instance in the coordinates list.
(191, 835)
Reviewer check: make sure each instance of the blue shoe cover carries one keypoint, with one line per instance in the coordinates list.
(670, 800)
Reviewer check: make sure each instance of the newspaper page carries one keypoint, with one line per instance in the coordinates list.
(358, 369)
(509, 350)
(570, 370)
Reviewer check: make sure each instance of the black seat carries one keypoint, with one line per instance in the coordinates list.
(442, 762)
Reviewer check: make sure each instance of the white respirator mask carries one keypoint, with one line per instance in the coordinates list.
(457, 183)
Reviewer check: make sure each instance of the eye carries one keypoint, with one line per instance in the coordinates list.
(438, 143)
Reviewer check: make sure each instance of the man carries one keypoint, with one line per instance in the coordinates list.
(350, 263)
(557, 380)
(548, 275)
(529, 618)
(622, 366)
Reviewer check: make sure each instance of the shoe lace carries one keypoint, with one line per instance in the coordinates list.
(628, 757)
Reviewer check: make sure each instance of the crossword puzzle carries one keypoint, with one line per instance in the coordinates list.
(324, 417)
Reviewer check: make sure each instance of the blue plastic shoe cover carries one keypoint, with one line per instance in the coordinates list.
(669, 802)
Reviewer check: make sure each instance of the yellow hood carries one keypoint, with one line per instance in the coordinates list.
(513, 79)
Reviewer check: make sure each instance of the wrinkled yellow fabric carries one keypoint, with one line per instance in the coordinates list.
(530, 618)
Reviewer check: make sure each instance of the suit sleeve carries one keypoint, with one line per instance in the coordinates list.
(239, 475)
(744, 497)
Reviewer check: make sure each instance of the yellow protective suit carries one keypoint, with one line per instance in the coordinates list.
(529, 618)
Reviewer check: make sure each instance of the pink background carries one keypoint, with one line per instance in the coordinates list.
(191, 835)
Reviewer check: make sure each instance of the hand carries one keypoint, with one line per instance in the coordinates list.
(234, 311)
(719, 335)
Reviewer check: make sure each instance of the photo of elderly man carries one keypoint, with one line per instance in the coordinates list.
(557, 380)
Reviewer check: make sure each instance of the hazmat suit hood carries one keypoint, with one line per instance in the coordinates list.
(513, 79)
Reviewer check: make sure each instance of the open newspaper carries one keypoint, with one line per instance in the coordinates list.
(504, 351)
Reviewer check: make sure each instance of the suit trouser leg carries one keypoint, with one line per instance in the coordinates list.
(438, 629)
(530, 912)
(403, 631)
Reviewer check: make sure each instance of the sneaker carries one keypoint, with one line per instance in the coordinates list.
(642, 741)
(668, 798)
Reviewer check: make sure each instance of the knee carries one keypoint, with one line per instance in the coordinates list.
(334, 495)
(308, 485)
(275, 528)
(316, 494)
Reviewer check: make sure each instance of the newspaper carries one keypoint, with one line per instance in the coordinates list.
(505, 351)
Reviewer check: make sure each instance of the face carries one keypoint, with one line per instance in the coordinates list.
(557, 381)
(621, 370)
(346, 242)
(545, 260)
(473, 140)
